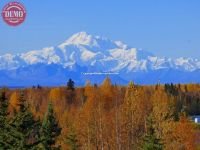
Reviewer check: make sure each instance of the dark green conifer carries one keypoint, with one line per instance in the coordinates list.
(70, 84)
(50, 130)
(72, 140)
(25, 130)
(151, 142)
(4, 142)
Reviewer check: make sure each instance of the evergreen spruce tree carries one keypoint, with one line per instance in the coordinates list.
(50, 130)
(151, 142)
(25, 130)
(4, 144)
(72, 140)
(70, 93)
(3, 109)
(70, 84)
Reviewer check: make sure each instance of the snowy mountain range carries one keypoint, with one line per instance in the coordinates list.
(85, 57)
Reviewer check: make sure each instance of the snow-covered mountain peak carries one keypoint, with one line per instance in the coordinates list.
(90, 41)
(98, 52)
(81, 38)
(83, 52)
(120, 44)
(46, 55)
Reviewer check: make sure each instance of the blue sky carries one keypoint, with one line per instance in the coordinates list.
(164, 27)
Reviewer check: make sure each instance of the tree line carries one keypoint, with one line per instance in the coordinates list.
(106, 117)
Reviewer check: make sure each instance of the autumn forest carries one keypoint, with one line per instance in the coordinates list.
(100, 117)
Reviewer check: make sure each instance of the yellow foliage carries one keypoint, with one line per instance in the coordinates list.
(55, 94)
(13, 101)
